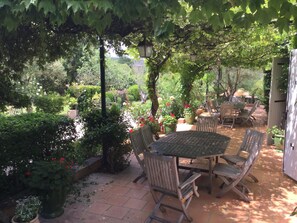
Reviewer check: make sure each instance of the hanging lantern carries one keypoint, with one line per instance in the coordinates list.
(145, 49)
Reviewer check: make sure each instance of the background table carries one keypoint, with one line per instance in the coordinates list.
(192, 144)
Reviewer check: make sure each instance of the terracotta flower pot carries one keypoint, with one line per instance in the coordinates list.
(35, 220)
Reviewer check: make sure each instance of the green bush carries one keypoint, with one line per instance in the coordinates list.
(86, 100)
(51, 103)
(76, 90)
(112, 130)
(33, 136)
(134, 92)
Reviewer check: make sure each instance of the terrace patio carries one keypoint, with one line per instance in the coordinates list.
(115, 198)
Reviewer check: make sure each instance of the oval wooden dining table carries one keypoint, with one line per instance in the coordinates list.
(192, 145)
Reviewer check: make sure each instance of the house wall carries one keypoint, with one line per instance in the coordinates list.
(277, 100)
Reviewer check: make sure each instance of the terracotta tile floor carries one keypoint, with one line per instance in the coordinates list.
(116, 199)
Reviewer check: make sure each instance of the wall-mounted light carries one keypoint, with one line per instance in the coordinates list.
(145, 49)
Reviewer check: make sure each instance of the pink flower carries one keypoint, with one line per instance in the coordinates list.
(131, 130)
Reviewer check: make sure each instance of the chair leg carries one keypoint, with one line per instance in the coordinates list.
(231, 186)
(253, 178)
(142, 175)
(185, 212)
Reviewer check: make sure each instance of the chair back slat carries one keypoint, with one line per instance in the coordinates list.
(147, 135)
(138, 146)
(254, 151)
(250, 137)
(207, 124)
(161, 172)
(227, 110)
(256, 104)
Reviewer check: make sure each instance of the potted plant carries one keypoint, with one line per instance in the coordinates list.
(189, 114)
(169, 122)
(278, 136)
(26, 210)
(52, 181)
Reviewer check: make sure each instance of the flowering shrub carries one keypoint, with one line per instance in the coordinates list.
(169, 119)
(188, 110)
(170, 107)
(152, 122)
(50, 175)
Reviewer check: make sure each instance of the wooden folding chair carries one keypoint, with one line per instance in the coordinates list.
(247, 116)
(207, 124)
(138, 147)
(233, 176)
(147, 135)
(163, 181)
(238, 159)
(228, 114)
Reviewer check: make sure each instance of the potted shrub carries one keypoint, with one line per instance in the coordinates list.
(169, 122)
(278, 136)
(189, 114)
(52, 181)
(26, 210)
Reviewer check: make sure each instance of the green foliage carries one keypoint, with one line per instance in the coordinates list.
(85, 99)
(169, 120)
(274, 130)
(39, 136)
(72, 102)
(138, 109)
(76, 90)
(283, 79)
(188, 110)
(118, 75)
(27, 209)
(113, 131)
(50, 175)
(52, 77)
(51, 103)
(134, 92)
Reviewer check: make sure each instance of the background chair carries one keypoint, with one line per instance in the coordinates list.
(247, 116)
(138, 147)
(228, 114)
(233, 176)
(147, 135)
(238, 159)
(207, 124)
(163, 181)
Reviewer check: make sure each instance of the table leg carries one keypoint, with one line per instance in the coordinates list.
(210, 175)
(177, 162)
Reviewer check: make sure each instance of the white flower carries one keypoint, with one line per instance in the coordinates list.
(124, 104)
(159, 99)
(161, 119)
(172, 98)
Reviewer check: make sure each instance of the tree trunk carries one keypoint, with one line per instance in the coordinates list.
(152, 90)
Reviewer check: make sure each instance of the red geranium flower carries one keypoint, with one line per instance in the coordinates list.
(168, 104)
(172, 115)
(187, 106)
(151, 119)
(130, 130)
(27, 173)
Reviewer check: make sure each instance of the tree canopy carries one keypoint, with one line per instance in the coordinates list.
(49, 29)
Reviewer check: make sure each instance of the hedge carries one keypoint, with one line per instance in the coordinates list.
(33, 136)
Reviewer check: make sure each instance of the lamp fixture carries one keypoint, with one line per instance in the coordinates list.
(145, 49)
